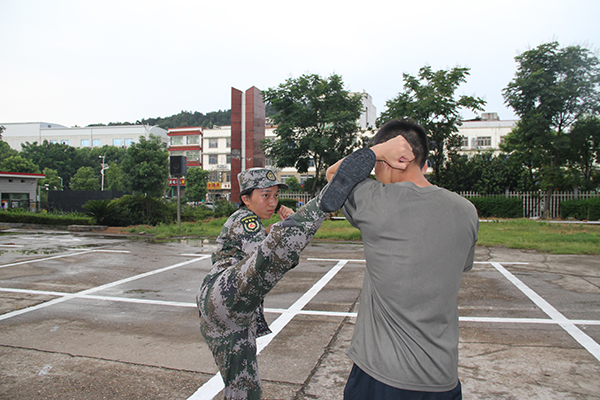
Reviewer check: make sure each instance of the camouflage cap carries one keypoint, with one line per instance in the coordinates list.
(258, 178)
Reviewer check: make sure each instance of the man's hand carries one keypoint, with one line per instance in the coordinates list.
(396, 152)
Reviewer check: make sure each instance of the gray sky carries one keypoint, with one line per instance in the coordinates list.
(78, 62)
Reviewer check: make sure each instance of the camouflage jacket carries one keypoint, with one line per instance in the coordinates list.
(241, 235)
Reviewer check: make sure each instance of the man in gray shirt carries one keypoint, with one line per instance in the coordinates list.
(418, 240)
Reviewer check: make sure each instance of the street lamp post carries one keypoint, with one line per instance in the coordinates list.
(104, 167)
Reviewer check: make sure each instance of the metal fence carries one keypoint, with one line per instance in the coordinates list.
(533, 202)
(301, 197)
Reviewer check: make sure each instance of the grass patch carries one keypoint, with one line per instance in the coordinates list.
(515, 233)
(542, 236)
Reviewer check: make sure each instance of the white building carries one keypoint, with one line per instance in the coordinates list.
(90, 136)
(216, 159)
(18, 190)
(484, 134)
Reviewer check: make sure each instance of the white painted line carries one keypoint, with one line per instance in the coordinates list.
(11, 245)
(587, 342)
(499, 320)
(47, 258)
(334, 259)
(96, 289)
(211, 388)
(195, 255)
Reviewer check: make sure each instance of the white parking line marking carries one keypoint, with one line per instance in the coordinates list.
(97, 289)
(587, 342)
(47, 258)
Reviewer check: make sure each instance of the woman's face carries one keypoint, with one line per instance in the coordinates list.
(262, 202)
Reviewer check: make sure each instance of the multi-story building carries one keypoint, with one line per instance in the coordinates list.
(186, 142)
(16, 134)
(485, 133)
(216, 159)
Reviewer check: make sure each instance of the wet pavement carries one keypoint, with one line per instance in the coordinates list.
(86, 316)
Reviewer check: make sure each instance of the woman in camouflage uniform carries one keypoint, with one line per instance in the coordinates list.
(247, 264)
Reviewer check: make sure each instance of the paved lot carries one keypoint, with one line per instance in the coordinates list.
(91, 317)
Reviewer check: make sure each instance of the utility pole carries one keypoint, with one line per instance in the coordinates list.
(104, 167)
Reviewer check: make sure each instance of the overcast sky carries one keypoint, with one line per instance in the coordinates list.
(78, 62)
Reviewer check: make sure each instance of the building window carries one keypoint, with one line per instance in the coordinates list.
(192, 155)
(228, 159)
(268, 162)
(176, 153)
(212, 159)
(483, 141)
(54, 141)
(193, 139)
(213, 143)
(228, 143)
(96, 142)
(464, 141)
(227, 176)
(213, 177)
(85, 142)
(117, 142)
(128, 142)
(176, 140)
(64, 142)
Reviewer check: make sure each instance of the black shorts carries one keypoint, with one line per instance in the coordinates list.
(361, 386)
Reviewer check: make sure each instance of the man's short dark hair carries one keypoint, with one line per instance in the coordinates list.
(414, 134)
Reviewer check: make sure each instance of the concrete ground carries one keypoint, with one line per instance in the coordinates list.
(86, 316)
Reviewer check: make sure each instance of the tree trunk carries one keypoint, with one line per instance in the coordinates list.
(546, 211)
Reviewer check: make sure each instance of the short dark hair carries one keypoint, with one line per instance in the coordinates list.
(414, 134)
(247, 192)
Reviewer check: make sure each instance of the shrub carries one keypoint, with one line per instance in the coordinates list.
(498, 207)
(224, 208)
(25, 217)
(101, 210)
(588, 209)
(132, 210)
(291, 203)
(195, 213)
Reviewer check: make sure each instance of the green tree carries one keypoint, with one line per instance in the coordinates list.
(50, 182)
(5, 149)
(294, 184)
(145, 169)
(195, 184)
(552, 88)
(584, 153)
(85, 179)
(113, 177)
(59, 157)
(430, 100)
(18, 164)
(316, 122)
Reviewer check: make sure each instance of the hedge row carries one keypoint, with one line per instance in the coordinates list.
(583, 210)
(498, 207)
(27, 217)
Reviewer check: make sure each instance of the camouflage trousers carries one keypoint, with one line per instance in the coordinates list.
(228, 303)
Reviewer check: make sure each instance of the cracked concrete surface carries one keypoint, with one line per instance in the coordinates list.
(139, 338)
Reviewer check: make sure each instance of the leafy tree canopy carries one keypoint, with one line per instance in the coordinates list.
(56, 156)
(294, 184)
(85, 179)
(553, 88)
(195, 184)
(51, 179)
(18, 164)
(316, 122)
(145, 167)
(430, 100)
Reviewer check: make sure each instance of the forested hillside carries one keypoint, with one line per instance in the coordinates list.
(188, 118)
